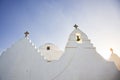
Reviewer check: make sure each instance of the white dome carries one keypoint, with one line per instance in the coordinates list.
(50, 52)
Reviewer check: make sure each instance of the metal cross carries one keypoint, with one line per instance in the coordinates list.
(26, 34)
(76, 26)
(111, 50)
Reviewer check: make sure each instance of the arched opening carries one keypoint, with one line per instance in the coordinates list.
(48, 48)
(78, 38)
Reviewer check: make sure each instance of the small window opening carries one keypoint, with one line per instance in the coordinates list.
(48, 61)
(78, 38)
(48, 48)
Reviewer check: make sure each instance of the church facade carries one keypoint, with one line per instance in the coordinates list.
(79, 61)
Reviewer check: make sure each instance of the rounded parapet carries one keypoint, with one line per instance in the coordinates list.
(50, 52)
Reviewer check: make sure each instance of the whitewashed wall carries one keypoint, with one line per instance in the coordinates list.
(80, 61)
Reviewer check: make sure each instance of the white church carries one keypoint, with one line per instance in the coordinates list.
(79, 61)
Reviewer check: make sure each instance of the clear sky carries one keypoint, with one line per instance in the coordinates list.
(52, 21)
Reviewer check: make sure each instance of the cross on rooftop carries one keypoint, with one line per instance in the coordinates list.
(26, 34)
(111, 50)
(76, 26)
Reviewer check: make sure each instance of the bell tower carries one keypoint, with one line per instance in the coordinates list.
(78, 39)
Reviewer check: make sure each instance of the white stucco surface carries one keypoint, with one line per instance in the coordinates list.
(51, 54)
(116, 59)
(80, 61)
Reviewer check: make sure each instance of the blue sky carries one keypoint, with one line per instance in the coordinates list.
(52, 21)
